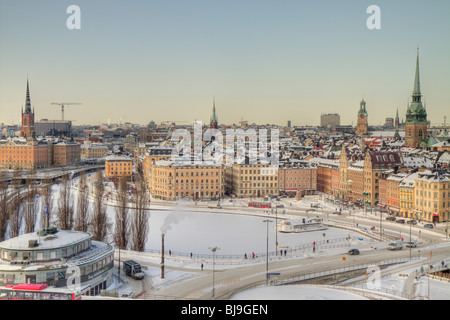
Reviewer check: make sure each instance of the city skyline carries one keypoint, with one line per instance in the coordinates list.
(265, 61)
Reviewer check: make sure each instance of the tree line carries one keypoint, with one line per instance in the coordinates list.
(19, 209)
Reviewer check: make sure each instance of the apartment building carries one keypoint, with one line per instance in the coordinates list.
(170, 180)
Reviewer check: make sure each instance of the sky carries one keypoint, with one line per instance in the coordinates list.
(264, 61)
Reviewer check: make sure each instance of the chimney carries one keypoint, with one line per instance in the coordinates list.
(162, 255)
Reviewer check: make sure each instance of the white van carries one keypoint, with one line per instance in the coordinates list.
(396, 245)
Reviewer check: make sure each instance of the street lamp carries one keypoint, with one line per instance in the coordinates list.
(267, 250)
(213, 249)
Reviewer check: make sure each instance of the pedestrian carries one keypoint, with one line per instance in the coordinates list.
(284, 252)
(191, 255)
(253, 255)
(170, 252)
(245, 256)
(281, 252)
(202, 266)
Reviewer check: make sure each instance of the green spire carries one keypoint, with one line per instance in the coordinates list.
(416, 93)
(362, 108)
(416, 113)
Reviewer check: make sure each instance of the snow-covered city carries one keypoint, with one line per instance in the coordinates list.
(224, 158)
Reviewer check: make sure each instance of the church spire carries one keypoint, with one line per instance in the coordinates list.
(213, 121)
(416, 93)
(28, 100)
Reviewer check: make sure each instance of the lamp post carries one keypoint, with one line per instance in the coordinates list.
(213, 249)
(267, 250)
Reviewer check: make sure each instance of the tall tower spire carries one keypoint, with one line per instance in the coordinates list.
(416, 93)
(27, 99)
(213, 121)
(27, 116)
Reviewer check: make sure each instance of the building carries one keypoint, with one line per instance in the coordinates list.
(296, 177)
(416, 124)
(375, 163)
(355, 174)
(328, 176)
(362, 123)
(170, 180)
(58, 128)
(330, 120)
(118, 166)
(25, 154)
(432, 196)
(27, 128)
(406, 190)
(93, 151)
(65, 153)
(50, 257)
(256, 180)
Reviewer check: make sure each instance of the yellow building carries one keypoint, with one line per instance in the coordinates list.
(252, 180)
(432, 196)
(406, 191)
(118, 166)
(169, 180)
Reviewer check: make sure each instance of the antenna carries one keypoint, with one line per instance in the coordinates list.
(62, 104)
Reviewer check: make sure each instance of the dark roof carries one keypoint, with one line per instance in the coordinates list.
(385, 157)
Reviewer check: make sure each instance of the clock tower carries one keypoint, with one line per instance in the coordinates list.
(362, 125)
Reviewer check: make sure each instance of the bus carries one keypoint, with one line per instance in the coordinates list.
(259, 204)
(36, 291)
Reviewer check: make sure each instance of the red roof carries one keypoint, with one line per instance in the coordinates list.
(30, 286)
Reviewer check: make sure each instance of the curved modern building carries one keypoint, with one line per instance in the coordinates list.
(58, 258)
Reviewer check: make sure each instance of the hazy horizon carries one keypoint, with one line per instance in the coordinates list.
(265, 61)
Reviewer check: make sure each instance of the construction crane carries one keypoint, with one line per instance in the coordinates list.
(62, 104)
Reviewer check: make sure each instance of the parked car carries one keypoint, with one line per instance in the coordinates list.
(353, 252)
(390, 218)
(400, 221)
(428, 225)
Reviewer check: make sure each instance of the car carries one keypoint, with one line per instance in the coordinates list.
(400, 221)
(353, 252)
(390, 218)
(428, 225)
(413, 222)
(411, 244)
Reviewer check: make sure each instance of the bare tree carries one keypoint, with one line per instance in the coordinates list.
(122, 220)
(3, 206)
(47, 205)
(82, 216)
(99, 222)
(65, 205)
(30, 204)
(15, 212)
(139, 226)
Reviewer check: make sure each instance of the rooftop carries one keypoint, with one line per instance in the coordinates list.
(60, 239)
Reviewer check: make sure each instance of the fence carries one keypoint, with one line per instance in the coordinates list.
(248, 257)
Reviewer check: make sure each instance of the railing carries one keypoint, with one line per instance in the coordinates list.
(248, 257)
(293, 279)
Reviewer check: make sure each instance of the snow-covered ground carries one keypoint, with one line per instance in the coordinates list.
(237, 229)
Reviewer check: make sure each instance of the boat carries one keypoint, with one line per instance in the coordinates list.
(300, 225)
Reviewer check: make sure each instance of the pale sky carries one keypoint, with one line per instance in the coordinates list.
(266, 61)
